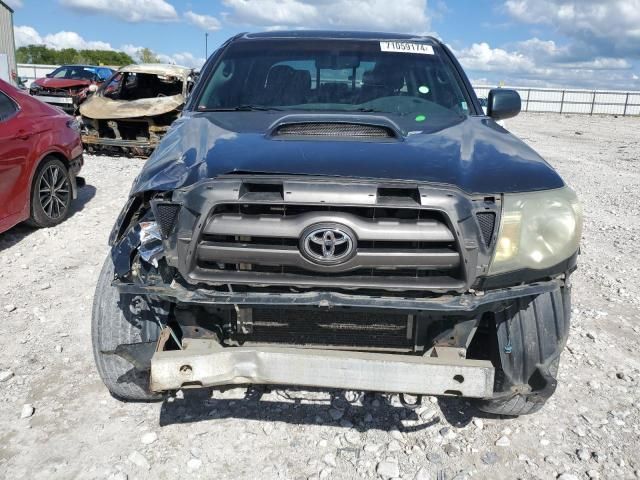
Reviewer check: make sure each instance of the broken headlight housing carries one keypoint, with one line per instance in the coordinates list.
(151, 248)
(537, 230)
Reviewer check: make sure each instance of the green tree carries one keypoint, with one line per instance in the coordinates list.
(49, 56)
(147, 55)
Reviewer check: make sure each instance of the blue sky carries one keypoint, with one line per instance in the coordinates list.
(579, 43)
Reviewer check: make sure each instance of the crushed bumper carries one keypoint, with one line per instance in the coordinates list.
(469, 302)
(117, 142)
(204, 363)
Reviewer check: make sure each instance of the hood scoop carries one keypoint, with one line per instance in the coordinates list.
(338, 127)
(342, 130)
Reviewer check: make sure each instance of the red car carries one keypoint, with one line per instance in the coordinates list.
(40, 156)
(69, 85)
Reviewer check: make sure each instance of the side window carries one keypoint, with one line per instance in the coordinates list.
(103, 74)
(131, 81)
(61, 73)
(7, 107)
(112, 89)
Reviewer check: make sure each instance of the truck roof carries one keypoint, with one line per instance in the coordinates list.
(336, 35)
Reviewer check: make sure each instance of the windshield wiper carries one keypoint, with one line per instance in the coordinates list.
(368, 110)
(240, 108)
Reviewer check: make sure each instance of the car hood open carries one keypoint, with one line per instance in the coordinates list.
(475, 154)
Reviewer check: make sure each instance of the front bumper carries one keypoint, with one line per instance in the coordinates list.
(67, 103)
(470, 302)
(117, 142)
(204, 363)
(441, 370)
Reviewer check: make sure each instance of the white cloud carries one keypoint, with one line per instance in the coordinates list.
(608, 28)
(405, 16)
(204, 22)
(186, 59)
(132, 11)
(481, 57)
(25, 35)
(537, 62)
(14, 3)
(65, 39)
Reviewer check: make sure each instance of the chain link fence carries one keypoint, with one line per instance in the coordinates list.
(590, 102)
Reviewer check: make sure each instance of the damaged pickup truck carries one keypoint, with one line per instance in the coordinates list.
(134, 108)
(335, 210)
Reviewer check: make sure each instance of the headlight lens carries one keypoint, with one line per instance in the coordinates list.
(537, 230)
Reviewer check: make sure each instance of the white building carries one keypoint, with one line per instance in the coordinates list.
(7, 44)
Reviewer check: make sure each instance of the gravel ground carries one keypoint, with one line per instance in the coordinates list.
(72, 428)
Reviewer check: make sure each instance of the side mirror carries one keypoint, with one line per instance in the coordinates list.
(503, 103)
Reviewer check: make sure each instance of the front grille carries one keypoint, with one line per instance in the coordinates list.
(395, 248)
(332, 129)
(334, 328)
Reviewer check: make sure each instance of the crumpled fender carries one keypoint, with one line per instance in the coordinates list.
(181, 157)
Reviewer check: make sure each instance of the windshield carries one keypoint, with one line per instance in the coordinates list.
(403, 78)
(74, 73)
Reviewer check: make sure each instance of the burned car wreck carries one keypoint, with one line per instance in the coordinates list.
(335, 210)
(135, 107)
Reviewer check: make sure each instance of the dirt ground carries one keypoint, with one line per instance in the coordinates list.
(74, 429)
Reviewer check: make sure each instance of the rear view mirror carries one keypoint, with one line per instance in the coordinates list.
(338, 62)
(503, 103)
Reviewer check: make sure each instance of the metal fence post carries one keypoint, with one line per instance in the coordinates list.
(593, 102)
(562, 101)
(526, 109)
(626, 102)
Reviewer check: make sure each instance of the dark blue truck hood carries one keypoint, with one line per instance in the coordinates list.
(475, 154)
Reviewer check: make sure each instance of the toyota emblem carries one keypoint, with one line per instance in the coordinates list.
(328, 244)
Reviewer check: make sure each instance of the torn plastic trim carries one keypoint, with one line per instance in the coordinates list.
(143, 236)
(469, 302)
(151, 248)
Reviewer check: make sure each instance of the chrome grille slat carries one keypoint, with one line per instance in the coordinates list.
(292, 226)
(224, 277)
(434, 259)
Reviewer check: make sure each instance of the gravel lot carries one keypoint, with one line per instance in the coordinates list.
(74, 429)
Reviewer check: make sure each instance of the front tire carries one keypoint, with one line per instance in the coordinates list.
(120, 320)
(51, 194)
(531, 334)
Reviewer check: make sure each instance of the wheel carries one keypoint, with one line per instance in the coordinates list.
(519, 404)
(50, 194)
(121, 320)
(530, 335)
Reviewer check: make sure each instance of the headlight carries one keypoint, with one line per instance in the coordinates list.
(538, 230)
